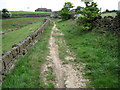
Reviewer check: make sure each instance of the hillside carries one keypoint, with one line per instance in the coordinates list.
(85, 59)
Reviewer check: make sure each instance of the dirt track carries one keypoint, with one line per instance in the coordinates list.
(67, 76)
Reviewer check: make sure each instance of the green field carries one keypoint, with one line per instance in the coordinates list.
(98, 50)
(108, 14)
(0, 37)
(17, 23)
(13, 37)
(27, 12)
(26, 73)
(18, 14)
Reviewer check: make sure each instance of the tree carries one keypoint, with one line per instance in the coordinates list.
(89, 13)
(68, 5)
(107, 10)
(6, 13)
(65, 11)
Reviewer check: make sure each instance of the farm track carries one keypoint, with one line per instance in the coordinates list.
(67, 75)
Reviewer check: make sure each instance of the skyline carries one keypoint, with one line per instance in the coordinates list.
(31, 5)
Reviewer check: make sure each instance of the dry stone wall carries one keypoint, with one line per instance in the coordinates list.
(9, 58)
(29, 15)
(109, 23)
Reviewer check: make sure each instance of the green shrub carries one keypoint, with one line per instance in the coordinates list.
(6, 13)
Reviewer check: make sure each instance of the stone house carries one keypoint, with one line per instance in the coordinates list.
(119, 5)
(43, 10)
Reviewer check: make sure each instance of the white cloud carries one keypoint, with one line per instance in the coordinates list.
(31, 5)
(108, 4)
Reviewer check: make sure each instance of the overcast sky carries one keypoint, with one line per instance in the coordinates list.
(55, 5)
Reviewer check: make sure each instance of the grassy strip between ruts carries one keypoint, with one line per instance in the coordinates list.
(13, 37)
(99, 51)
(26, 73)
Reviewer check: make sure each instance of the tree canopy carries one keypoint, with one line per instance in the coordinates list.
(65, 11)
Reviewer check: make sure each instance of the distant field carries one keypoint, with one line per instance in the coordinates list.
(108, 14)
(26, 12)
(17, 23)
(19, 14)
(13, 37)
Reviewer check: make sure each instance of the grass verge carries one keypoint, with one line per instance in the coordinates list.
(99, 52)
(26, 73)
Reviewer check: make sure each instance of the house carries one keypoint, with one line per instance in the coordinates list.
(119, 5)
(43, 10)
